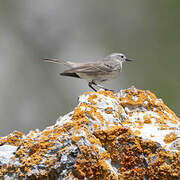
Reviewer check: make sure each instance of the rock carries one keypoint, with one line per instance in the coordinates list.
(127, 135)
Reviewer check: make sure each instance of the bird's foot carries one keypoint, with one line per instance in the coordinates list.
(112, 90)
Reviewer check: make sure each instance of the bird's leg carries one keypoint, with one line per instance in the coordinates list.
(90, 85)
(100, 86)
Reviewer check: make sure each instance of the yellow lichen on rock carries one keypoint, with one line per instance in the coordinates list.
(127, 135)
(170, 137)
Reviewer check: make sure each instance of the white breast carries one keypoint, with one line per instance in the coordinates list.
(100, 76)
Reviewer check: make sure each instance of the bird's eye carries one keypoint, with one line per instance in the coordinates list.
(122, 56)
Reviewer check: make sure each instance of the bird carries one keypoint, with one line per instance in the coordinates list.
(95, 72)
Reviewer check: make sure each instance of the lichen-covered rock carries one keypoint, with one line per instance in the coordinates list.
(127, 135)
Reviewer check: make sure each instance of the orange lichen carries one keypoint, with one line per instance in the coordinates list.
(91, 98)
(120, 109)
(46, 133)
(116, 116)
(147, 120)
(119, 152)
(137, 132)
(12, 139)
(139, 124)
(129, 99)
(150, 102)
(100, 117)
(79, 119)
(75, 139)
(151, 135)
(105, 155)
(90, 166)
(170, 137)
(107, 93)
(109, 134)
(94, 140)
(109, 110)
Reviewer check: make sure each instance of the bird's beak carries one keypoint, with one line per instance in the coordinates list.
(129, 60)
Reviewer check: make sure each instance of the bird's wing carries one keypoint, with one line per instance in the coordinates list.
(94, 67)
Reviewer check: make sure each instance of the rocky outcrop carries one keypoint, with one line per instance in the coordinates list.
(128, 135)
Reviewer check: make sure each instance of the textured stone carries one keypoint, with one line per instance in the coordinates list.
(127, 135)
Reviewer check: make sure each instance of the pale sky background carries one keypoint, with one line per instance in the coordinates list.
(33, 95)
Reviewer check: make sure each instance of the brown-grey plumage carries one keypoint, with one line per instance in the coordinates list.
(94, 72)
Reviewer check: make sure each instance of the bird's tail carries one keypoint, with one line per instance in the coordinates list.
(60, 61)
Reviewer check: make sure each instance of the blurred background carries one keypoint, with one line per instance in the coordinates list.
(33, 95)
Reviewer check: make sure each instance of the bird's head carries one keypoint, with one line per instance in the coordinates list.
(119, 57)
